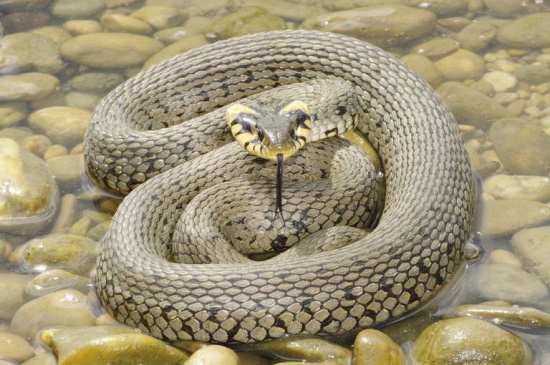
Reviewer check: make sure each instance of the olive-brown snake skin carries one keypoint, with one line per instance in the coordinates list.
(136, 133)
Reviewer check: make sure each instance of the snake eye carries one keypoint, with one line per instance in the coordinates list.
(292, 133)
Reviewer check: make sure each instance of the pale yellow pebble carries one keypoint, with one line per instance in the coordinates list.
(474, 144)
(504, 257)
(160, 17)
(109, 205)
(490, 155)
(124, 23)
(42, 359)
(37, 144)
(517, 52)
(81, 100)
(517, 107)
(373, 347)
(467, 129)
(213, 355)
(54, 151)
(55, 33)
(95, 216)
(506, 65)
(78, 149)
(81, 226)
(79, 27)
(15, 347)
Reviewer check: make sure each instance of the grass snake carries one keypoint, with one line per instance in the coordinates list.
(137, 133)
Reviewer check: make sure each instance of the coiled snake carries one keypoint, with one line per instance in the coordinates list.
(137, 133)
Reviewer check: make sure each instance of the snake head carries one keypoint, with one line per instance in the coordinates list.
(267, 132)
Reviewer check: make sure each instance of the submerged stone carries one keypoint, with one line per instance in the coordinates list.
(58, 251)
(28, 193)
(382, 25)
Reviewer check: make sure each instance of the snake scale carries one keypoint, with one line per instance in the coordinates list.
(137, 133)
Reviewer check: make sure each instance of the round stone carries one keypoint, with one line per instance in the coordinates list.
(27, 86)
(110, 50)
(63, 125)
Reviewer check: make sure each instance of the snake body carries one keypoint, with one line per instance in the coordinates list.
(137, 133)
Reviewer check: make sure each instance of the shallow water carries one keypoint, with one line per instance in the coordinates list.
(518, 95)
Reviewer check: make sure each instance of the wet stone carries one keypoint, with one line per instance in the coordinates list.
(499, 312)
(87, 101)
(384, 26)
(27, 86)
(30, 195)
(45, 358)
(37, 144)
(80, 27)
(98, 231)
(12, 289)
(518, 187)
(464, 341)
(50, 281)
(533, 74)
(436, 47)
(23, 21)
(292, 10)
(124, 23)
(510, 284)
(67, 170)
(500, 80)
(103, 345)
(476, 36)
(248, 20)
(63, 125)
(470, 106)
(96, 81)
(213, 354)
(67, 307)
(522, 146)
(423, 67)
(12, 113)
(76, 9)
(373, 347)
(503, 217)
(192, 7)
(461, 65)
(532, 246)
(110, 50)
(54, 33)
(15, 347)
(529, 31)
(309, 349)
(159, 17)
(58, 251)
